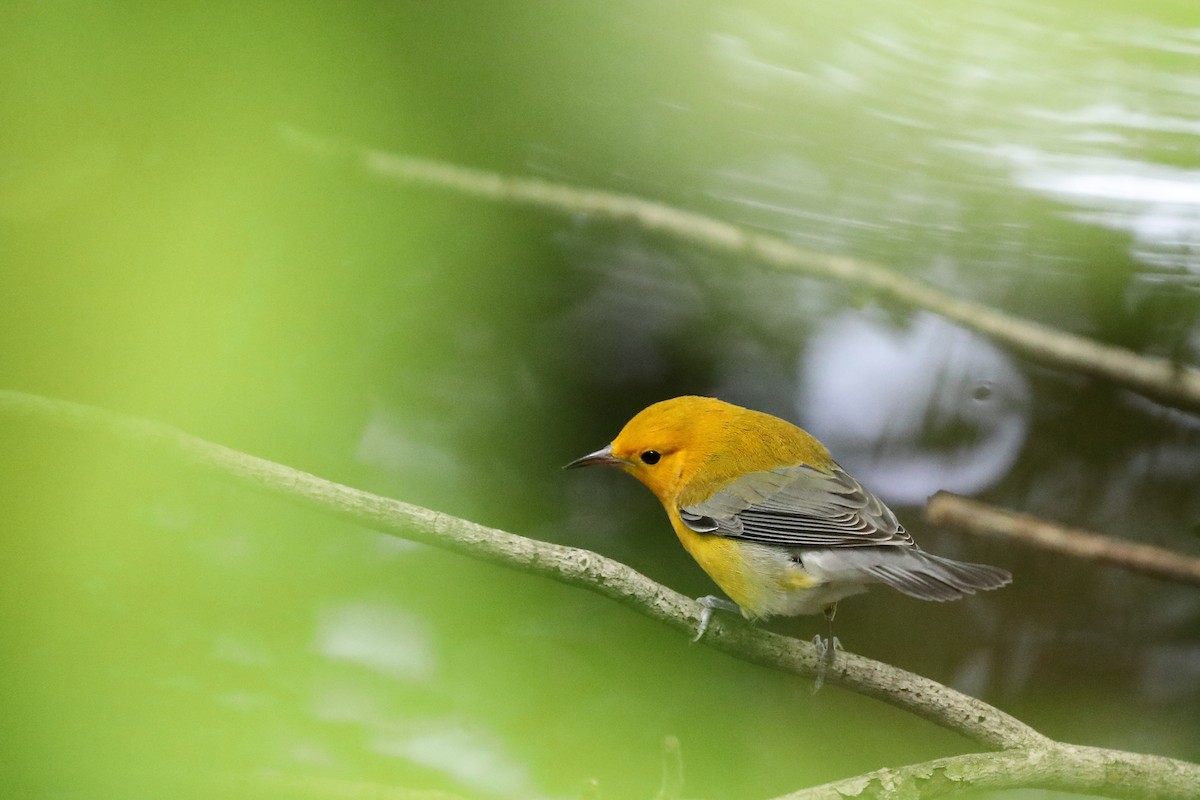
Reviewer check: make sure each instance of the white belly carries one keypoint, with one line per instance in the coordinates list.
(786, 588)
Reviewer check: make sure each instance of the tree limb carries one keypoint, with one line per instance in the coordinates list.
(1062, 767)
(1171, 383)
(928, 699)
(982, 519)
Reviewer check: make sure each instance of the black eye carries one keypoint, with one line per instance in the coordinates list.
(651, 457)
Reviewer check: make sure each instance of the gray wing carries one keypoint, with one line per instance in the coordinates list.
(798, 506)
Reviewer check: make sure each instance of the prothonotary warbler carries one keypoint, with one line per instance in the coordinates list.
(771, 517)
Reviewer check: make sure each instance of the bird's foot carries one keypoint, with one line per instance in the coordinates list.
(826, 654)
(709, 602)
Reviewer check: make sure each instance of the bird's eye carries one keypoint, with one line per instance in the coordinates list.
(651, 457)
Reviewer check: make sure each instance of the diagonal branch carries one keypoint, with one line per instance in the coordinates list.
(1172, 383)
(928, 699)
(982, 519)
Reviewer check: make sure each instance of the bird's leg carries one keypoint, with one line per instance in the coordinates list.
(710, 601)
(826, 649)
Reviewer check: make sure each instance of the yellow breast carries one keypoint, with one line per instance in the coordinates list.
(762, 580)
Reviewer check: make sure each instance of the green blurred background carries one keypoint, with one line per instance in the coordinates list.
(164, 252)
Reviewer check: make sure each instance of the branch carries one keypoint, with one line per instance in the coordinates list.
(982, 519)
(921, 696)
(1063, 767)
(1171, 383)
(928, 699)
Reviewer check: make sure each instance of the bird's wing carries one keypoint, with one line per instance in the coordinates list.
(799, 506)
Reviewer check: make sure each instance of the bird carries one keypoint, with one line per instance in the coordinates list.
(768, 514)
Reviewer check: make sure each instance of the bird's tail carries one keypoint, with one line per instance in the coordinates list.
(929, 577)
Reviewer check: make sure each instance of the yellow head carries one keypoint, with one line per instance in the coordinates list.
(686, 448)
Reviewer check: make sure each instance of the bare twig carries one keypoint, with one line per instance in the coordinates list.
(1133, 775)
(973, 516)
(1065, 767)
(1172, 383)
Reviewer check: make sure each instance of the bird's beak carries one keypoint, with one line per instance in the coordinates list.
(604, 456)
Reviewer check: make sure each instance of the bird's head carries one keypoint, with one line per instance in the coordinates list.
(665, 444)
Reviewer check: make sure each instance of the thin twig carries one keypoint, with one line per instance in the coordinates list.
(1132, 775)
(1172, 383)
(979, 518)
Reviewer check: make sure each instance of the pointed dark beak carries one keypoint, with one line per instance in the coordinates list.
(604, 456)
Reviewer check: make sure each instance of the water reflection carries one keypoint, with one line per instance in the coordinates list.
(913, 410)
(377, 636)
(464, 753)
(1158, 204)
(397, 645)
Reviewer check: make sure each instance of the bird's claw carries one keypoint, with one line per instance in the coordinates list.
(710, 602)
(826, 655)
(705, 617)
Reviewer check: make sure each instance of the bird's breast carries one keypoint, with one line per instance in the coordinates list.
(762, 580)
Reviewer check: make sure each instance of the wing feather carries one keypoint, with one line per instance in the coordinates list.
(798, 506)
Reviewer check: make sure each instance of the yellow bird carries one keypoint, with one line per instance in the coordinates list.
(766, 512)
